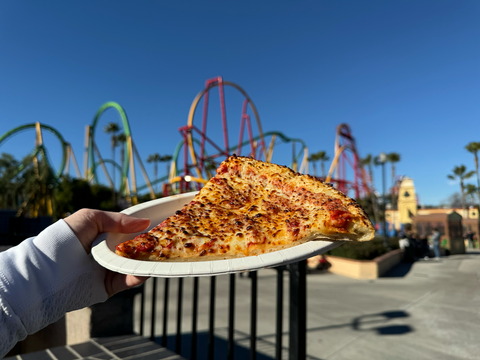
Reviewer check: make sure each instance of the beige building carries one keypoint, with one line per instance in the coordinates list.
(408, 207)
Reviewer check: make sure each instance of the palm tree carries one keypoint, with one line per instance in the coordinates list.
(112, 128)
(474, 147)
(368, 161)
(393, 158)
(121, 139)
(319, 156)
(313, 158)
(322, 156)
(167, 158)
(155, 159)
(460, 173)
(470, 191)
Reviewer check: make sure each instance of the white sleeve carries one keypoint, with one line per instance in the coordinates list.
(43, 278)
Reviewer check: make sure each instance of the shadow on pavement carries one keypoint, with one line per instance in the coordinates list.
(369, 322)
(394, 330)
(400, 270)
(364, 322)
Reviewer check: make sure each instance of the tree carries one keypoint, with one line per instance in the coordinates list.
(73, 194)
(121, 139)
(460, 173)
(167, 158)
(470, 192)
(474, 147)
(155, 159)
(453, 201)
(376, 162)
(313, 158)
(368, 161)
(393, 158)
(319, 156)
(8, 181)
(36, 183)
(322, 156)
(112, 128)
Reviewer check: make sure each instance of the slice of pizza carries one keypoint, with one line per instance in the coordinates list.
(249, 208)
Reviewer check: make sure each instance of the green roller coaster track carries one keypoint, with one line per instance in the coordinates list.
(126, 129)
(41, 148)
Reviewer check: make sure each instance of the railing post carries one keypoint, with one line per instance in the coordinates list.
(279, 313)
(211, 321)
(142, 309)
(253, 315)
(154, 309)
(178, 337)
(193, 345)
(165, 312)
(231, 318)
(298, 311)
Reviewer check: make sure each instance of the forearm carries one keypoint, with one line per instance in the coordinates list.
(43, 278)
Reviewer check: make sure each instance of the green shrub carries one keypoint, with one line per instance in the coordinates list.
(364, 250)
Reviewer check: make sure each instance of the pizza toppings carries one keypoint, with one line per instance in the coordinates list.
(249, 208)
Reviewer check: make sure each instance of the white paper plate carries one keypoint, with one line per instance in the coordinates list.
(103, 249)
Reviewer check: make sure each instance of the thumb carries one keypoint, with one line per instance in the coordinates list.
(115, 282)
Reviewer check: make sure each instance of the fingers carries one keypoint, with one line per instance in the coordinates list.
(115, 282)
(120, 223)
(88, 223)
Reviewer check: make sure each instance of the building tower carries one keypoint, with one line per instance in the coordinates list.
(407, 201)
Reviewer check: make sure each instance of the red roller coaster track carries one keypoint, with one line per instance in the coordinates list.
(346, 156)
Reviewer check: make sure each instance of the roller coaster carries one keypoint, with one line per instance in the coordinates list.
(93, 158)
(39, 153)
(40, 148)
(346, 157)
(197, 154)
(201, 152)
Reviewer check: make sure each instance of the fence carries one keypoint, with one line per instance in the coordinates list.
(187, 343)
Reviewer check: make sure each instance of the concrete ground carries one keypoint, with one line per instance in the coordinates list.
(426, 310)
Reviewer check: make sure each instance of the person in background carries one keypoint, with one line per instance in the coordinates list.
(46, 276)
(469, 237)
(423, 248)
(409, 243)
(435, 239)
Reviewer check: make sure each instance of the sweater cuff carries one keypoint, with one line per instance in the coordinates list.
(59, 243)
(52, 263)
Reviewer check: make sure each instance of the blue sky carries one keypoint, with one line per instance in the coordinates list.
(404, 75)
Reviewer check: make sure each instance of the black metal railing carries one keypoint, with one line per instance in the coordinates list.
(296, 310)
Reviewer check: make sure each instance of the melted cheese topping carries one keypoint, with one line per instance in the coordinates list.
(249, 208)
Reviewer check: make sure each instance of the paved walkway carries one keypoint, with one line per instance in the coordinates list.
(426, 310)
(429, 310)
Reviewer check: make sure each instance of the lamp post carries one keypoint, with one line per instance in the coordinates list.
(383, 159)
